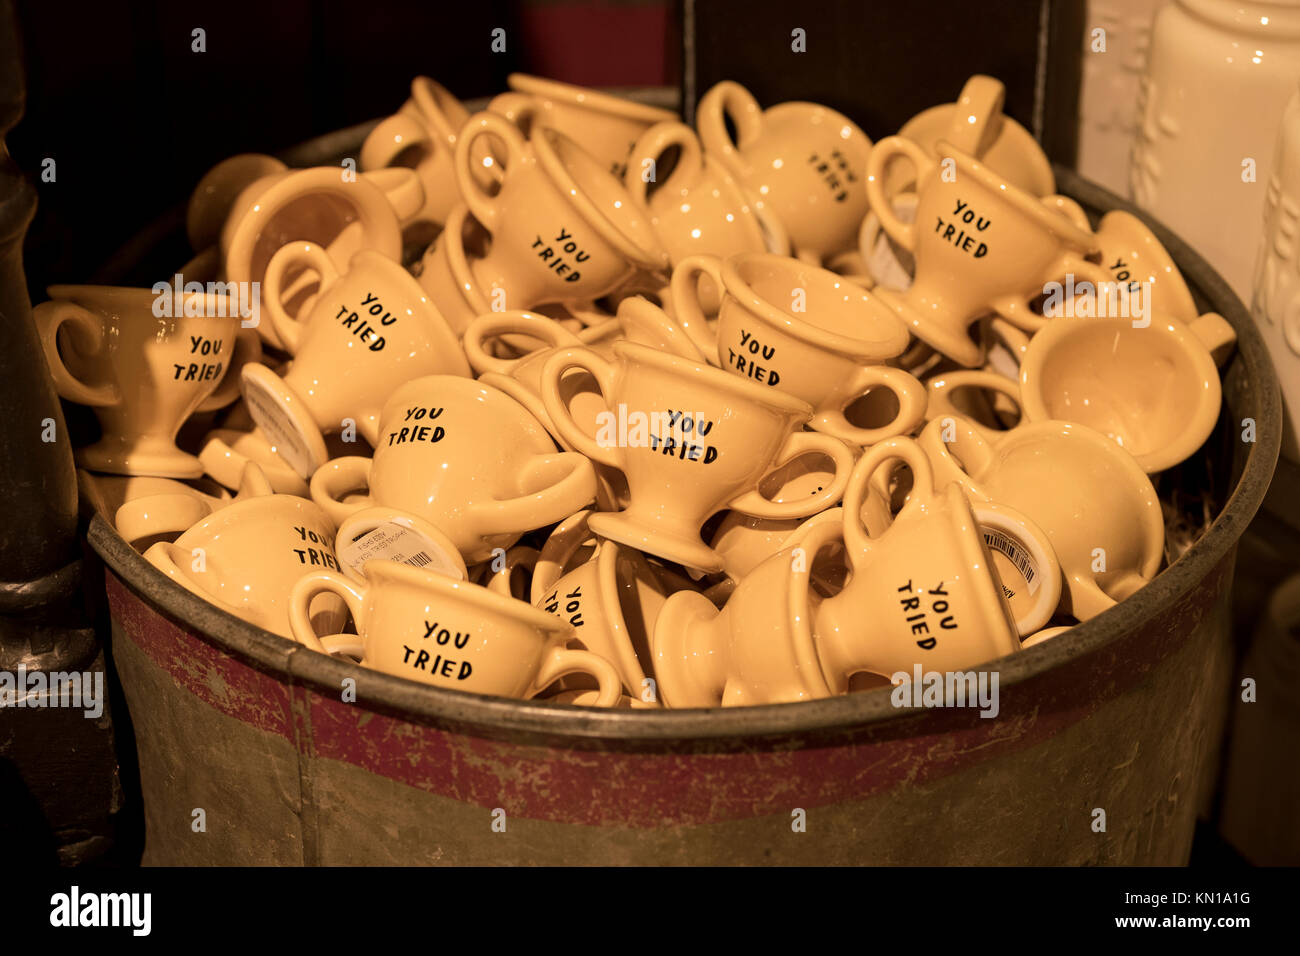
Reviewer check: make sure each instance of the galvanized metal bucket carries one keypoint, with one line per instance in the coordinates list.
(1122, 714)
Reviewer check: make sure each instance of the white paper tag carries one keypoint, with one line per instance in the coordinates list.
(391, 541)
(1018, 556)
(279, 430)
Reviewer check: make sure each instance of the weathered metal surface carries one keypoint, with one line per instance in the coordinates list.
(1122, 714)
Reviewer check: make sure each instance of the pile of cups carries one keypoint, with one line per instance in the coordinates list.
(569, 400)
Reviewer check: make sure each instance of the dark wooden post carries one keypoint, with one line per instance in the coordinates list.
(58, 772)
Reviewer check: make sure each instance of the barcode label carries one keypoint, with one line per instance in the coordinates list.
(390, 541)
(1014, 552)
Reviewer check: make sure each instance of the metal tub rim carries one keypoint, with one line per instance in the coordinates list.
(422, 703)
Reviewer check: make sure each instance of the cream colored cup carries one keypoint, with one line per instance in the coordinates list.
(1154, 390)
(1137, 261)
(1094, 502)
(370, 331)
(805, 162)
(422, 136)
(651, 325)
(327, 206)
(143, 373)
(974, 395)
(246, 557)
(923, 593)
(211, 201)
(976, 125)
(981, 245)
(759, 649)
(562, 228)
(106, 494)
(172, 511)
(466, 458)
(226, 451)
(698, 208)
(745, 541)
(451, 634)
(612, 603)
(806, 332)
(691, 440)
(605, 126)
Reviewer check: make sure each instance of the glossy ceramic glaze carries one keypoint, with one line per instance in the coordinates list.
(690, 440)
(465, 457)
(452, 634)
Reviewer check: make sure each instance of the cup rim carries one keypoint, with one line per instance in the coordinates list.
(805, 330)
(1164, 456)
(804, 106)
(92, 297)
(1026, 203)
(723, 380)
(380, 569)
(609, 229)
(573, 94)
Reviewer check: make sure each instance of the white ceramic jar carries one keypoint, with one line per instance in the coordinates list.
(1109, 89)
(1275, 303)
(1218, 75)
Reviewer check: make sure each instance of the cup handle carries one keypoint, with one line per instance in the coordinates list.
(248, 348)
(560, 547)
(877, 161)
(940, 387)
(322, 582)
(334, 479)
(909, 392)
(308, 254)
(553, 401)
(403, 189)
(561, 661)
(728, 99)
(856, 536)
(392, 137)
(651, 145)
(683, 289)
(1215, 333)
(576, 488)
(491, 325)
(796, 446)
(482, 205)
(977, 121)
(520, 556)
(158, 514)
(1070, 209)
(1016, 341)
(49, 317)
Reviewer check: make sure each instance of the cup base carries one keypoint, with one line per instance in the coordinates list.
(662, 544)
(281, 415)
(958, 346)
(226, 451)
(154, 458)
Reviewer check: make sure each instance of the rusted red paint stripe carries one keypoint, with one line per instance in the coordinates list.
(603, 788)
